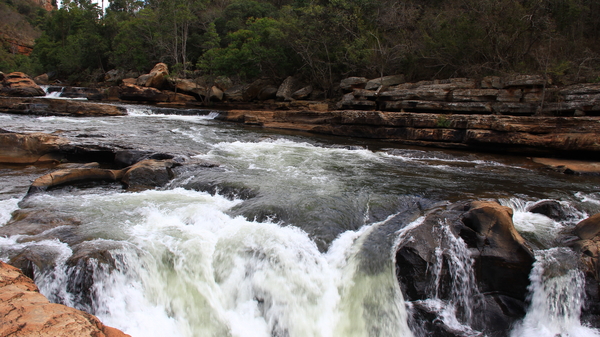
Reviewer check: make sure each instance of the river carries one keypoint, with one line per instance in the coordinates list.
(270, 242)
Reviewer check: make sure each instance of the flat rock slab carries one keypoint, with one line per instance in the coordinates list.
(570, 166)
(57, 107)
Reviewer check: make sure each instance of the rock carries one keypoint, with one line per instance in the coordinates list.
(351, 83)
(130, 81)
(286, 89)
(127, 158)
(114, 75)
(157, 78)
(550, 208)
(510, 95)
(216, 94)
(426, 266)
(190, 87)
(376, 83)
(71, 176)
(20, 85)
(16, 148)
(132, 92)
(26, 312)
(27, 222)
(525, 80)
(492, 82)
(474, 95)
(91, 94)
(57, 107)
(235, 94)
(89, 257)
(570, 166)
(255, 88)
(42, 79)
(302, 93)
(588, 228)
(148, 173)
(504, 260)
(268, 92)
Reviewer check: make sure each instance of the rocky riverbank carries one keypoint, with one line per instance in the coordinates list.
(26, 312)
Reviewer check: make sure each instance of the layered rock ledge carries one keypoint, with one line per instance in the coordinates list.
(57, 107)
(26, 312)
(525, 135)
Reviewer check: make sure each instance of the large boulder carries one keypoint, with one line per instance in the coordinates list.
(148, 173)
(504, 260)
(287, 88)
(26, 312)
(20, 85)
(468, 253)
(190, 87)
(157, 78)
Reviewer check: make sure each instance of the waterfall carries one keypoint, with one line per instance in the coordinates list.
(452, 302)
(52, 93)
(557, 294)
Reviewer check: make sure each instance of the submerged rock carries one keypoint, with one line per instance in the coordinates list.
(26, 312)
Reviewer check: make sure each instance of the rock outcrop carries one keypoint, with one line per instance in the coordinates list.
(18, 84)
(26, 312)
(57, 107)
(515, 95)
(157, 78)
(528, 135)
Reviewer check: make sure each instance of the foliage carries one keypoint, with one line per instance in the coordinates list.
(321, 41)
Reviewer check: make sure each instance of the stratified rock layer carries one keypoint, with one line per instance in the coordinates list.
(26, 312)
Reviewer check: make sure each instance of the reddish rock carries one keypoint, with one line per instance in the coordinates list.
(70, 176)
(16, 148)
(130, 92)
(26, 312)
(20, 85)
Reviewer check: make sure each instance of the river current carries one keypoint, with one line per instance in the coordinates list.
(272, 241)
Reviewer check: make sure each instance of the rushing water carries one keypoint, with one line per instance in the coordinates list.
(289, 236)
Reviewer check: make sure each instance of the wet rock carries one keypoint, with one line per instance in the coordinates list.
(91, 94)
(71, 176)
(504, 260)
(157, 78)
(570, 166)
(20, 85)
(550, 208)
(588, 228)
(126, 158)
(26, 312)
(26, 222)
(89, 258)
(149, 173)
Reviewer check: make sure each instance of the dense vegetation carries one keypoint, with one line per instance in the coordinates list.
(323, 40)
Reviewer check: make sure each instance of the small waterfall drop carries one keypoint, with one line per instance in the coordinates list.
(557, 295)
(453, 295)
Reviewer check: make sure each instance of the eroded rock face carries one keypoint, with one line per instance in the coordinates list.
(20, 85)
(26, 312)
